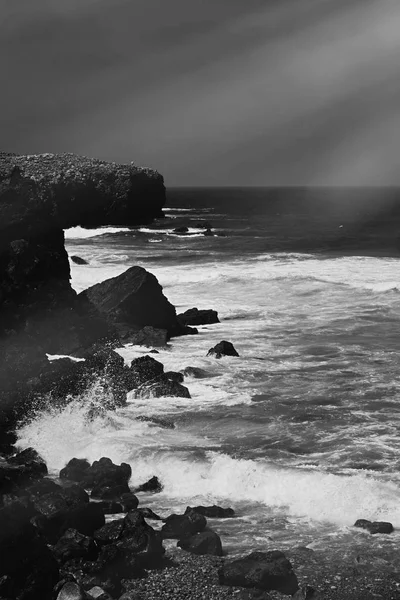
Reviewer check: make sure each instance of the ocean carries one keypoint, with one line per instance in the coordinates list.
(300, 434)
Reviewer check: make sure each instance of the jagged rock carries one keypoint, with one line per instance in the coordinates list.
(134, 299)
(143, 369)
(194, 316)
(21, 470)
(97, 593)
(104, 472)
(43, 486)
(263, 570)
(110, 492)
(110, 532)
(110, 507)
(183, 526)
(152, 485)
(375, 526)
(75, 469)
(78, 260)
(204, 542)
(212, 512)
(73, 544)
(222, 349)
(160, 422)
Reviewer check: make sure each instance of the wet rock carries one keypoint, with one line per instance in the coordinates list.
(208, 232)
(133, 299)
(152, 485)
(183, 526)
(160, 422)
(375, 526)
(71, 591)
(129, 501)
(174, 376)
(194, 316)
(43, 486)
(181, 230)
(212, 512)
(104, 473)
(307, 593)
(262, 570)
(139, 537)
(222, 349)
(149, 514)
(145, 368)
(195, 372)
(148, 336)
(161, 387)
(110, 532)
(110, 492)
(205, 542)
(78, 260)
(73, 544)
(75, 469)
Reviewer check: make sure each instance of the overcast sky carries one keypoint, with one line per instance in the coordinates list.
(209, 92)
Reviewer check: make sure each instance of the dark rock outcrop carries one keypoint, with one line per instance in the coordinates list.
(181, 230)
(212, 512)
(148, 336)
(102, 473)
(132, 301)
(183, 526)
(152, 485)
(40, 195)
(204, 542)
(194, 316)
(262, 570)
(162, 386)
(222, 349)
(374, 526)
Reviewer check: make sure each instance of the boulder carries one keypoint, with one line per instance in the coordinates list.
(134, 299)
(194, 316)
(204, 542)
(208, 232)
(129, 501)
(160, 387)
(110, 507)
(183, 526)
(174, 376)
(110, 532)
(73, 544)
(195, 372)
(149, 514)
(152, 485)
(262, 570)
(71, 591)
(21, 470)
(143, 369)
(75, 469)
(110, 492)
(375, 526)
(104, 473)
(78, 260)
(212, 512)
(222, 349)
(97, 593)
(181, 230)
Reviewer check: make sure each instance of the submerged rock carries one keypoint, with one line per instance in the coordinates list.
(375, 526)
(222, 349)
(78, 260)
(212, 512)
(182, 229)
(262, 570)
(194, 316)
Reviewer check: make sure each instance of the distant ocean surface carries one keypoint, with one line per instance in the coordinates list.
(300, 435)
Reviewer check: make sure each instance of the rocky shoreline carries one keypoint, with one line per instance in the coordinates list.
(86, 534)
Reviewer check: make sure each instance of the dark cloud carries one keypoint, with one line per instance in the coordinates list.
(209, 92)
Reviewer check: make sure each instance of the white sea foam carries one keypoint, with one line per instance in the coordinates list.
(82, 233)
(190, 476)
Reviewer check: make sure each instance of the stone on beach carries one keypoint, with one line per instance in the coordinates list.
(183, 526)
(204, 542)
(263, 570)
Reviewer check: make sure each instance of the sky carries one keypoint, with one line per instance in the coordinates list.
(208, 92)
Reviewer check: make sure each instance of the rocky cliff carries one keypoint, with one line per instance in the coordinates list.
(40, 195)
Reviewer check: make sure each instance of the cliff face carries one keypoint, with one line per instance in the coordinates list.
(40, 196)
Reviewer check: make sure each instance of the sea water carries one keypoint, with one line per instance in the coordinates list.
(300, 434)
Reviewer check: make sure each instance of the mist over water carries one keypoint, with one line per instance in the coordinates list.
(301, 431)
